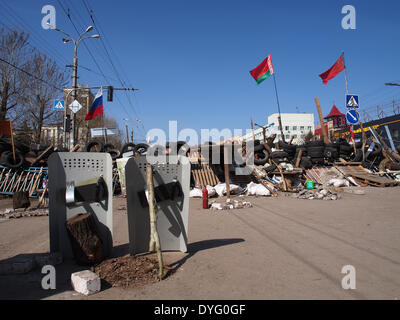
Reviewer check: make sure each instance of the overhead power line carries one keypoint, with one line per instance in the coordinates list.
(29, 74)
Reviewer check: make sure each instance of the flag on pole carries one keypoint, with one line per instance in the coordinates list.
(333, 71)
(96, 109)
(263, 71)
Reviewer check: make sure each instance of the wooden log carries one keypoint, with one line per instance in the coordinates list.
(75, 148)
(85, 240)
(154, 237)
(299, 158)
(42, 155)
(324, 130)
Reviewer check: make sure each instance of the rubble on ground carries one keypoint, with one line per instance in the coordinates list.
(230, 204)
(19, 213)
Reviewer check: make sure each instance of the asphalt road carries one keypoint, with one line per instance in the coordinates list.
(282, 248)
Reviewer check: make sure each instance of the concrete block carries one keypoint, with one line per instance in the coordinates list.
(86, 282)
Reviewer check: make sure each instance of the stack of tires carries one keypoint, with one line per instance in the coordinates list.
(331, 152)
(315, 151)
(305, 161)
(261, 155)
(290, 149)
(7, 157)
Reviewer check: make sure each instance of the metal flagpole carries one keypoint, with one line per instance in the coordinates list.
(279, 110)
(363, 136)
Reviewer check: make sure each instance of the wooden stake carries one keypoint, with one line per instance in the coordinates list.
(12, 141)
(321, 121)
(154, 237)
(226, 167)
(299, 157)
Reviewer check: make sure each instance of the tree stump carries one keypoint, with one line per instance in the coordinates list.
(85, 239)
(21, 200)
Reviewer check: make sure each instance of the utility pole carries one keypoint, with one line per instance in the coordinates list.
(75, 68)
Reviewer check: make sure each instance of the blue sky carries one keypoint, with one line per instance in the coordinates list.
(191, 59)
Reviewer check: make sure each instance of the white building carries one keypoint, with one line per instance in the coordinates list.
(293, 124)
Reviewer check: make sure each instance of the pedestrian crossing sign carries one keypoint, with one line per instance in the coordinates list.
(352, 101)
(59, 105)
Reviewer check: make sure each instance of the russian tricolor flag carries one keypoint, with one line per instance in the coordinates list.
(96, 108)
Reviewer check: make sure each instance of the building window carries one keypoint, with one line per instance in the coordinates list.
(309, 127)
(294, 127)
(287, 136)
(302, 128)
(287, 128)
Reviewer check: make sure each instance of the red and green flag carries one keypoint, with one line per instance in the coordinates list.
(263, 71)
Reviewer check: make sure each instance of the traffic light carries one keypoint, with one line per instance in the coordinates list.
(110, 93)
(67, 123)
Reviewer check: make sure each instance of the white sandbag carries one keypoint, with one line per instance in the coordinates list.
(257, 189)
(339, 183)
(211, 191)
(196, 193)
(221, 189)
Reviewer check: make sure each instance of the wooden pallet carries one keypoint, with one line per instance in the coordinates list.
(203, 175)
(362, 175)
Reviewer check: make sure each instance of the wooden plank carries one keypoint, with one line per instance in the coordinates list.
(42, 155)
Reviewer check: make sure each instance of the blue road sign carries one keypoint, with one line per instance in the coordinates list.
(352, 101)
(352, 116)
(59, 105)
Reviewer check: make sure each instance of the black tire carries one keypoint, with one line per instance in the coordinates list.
(320, 161)
(316, 152)
(287, 147)
(298, 148)
(358, 157)
(332, 146)
(317, 143)
(270, 168)
(21, 147)
(114, 153)
(127, 147)
(305, 163)
(108, 147)
(376, 152)
(94, 146)
(346, 149)
(8, 161)
(331, 153)
(261, 158)
(259, 148)
(141, 148)
(279, 155)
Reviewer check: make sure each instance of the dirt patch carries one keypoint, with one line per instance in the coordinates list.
(129, 271)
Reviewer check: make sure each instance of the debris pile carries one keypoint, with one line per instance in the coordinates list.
(18, 213)
(319, 194)
(229, 205)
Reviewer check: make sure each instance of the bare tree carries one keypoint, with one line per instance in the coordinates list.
(13, 53)
(40, 94)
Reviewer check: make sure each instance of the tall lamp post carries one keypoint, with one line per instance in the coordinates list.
(75, 68)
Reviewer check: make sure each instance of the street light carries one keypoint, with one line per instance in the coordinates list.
(75, 67)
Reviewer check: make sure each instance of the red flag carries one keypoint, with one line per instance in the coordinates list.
(333, 71)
